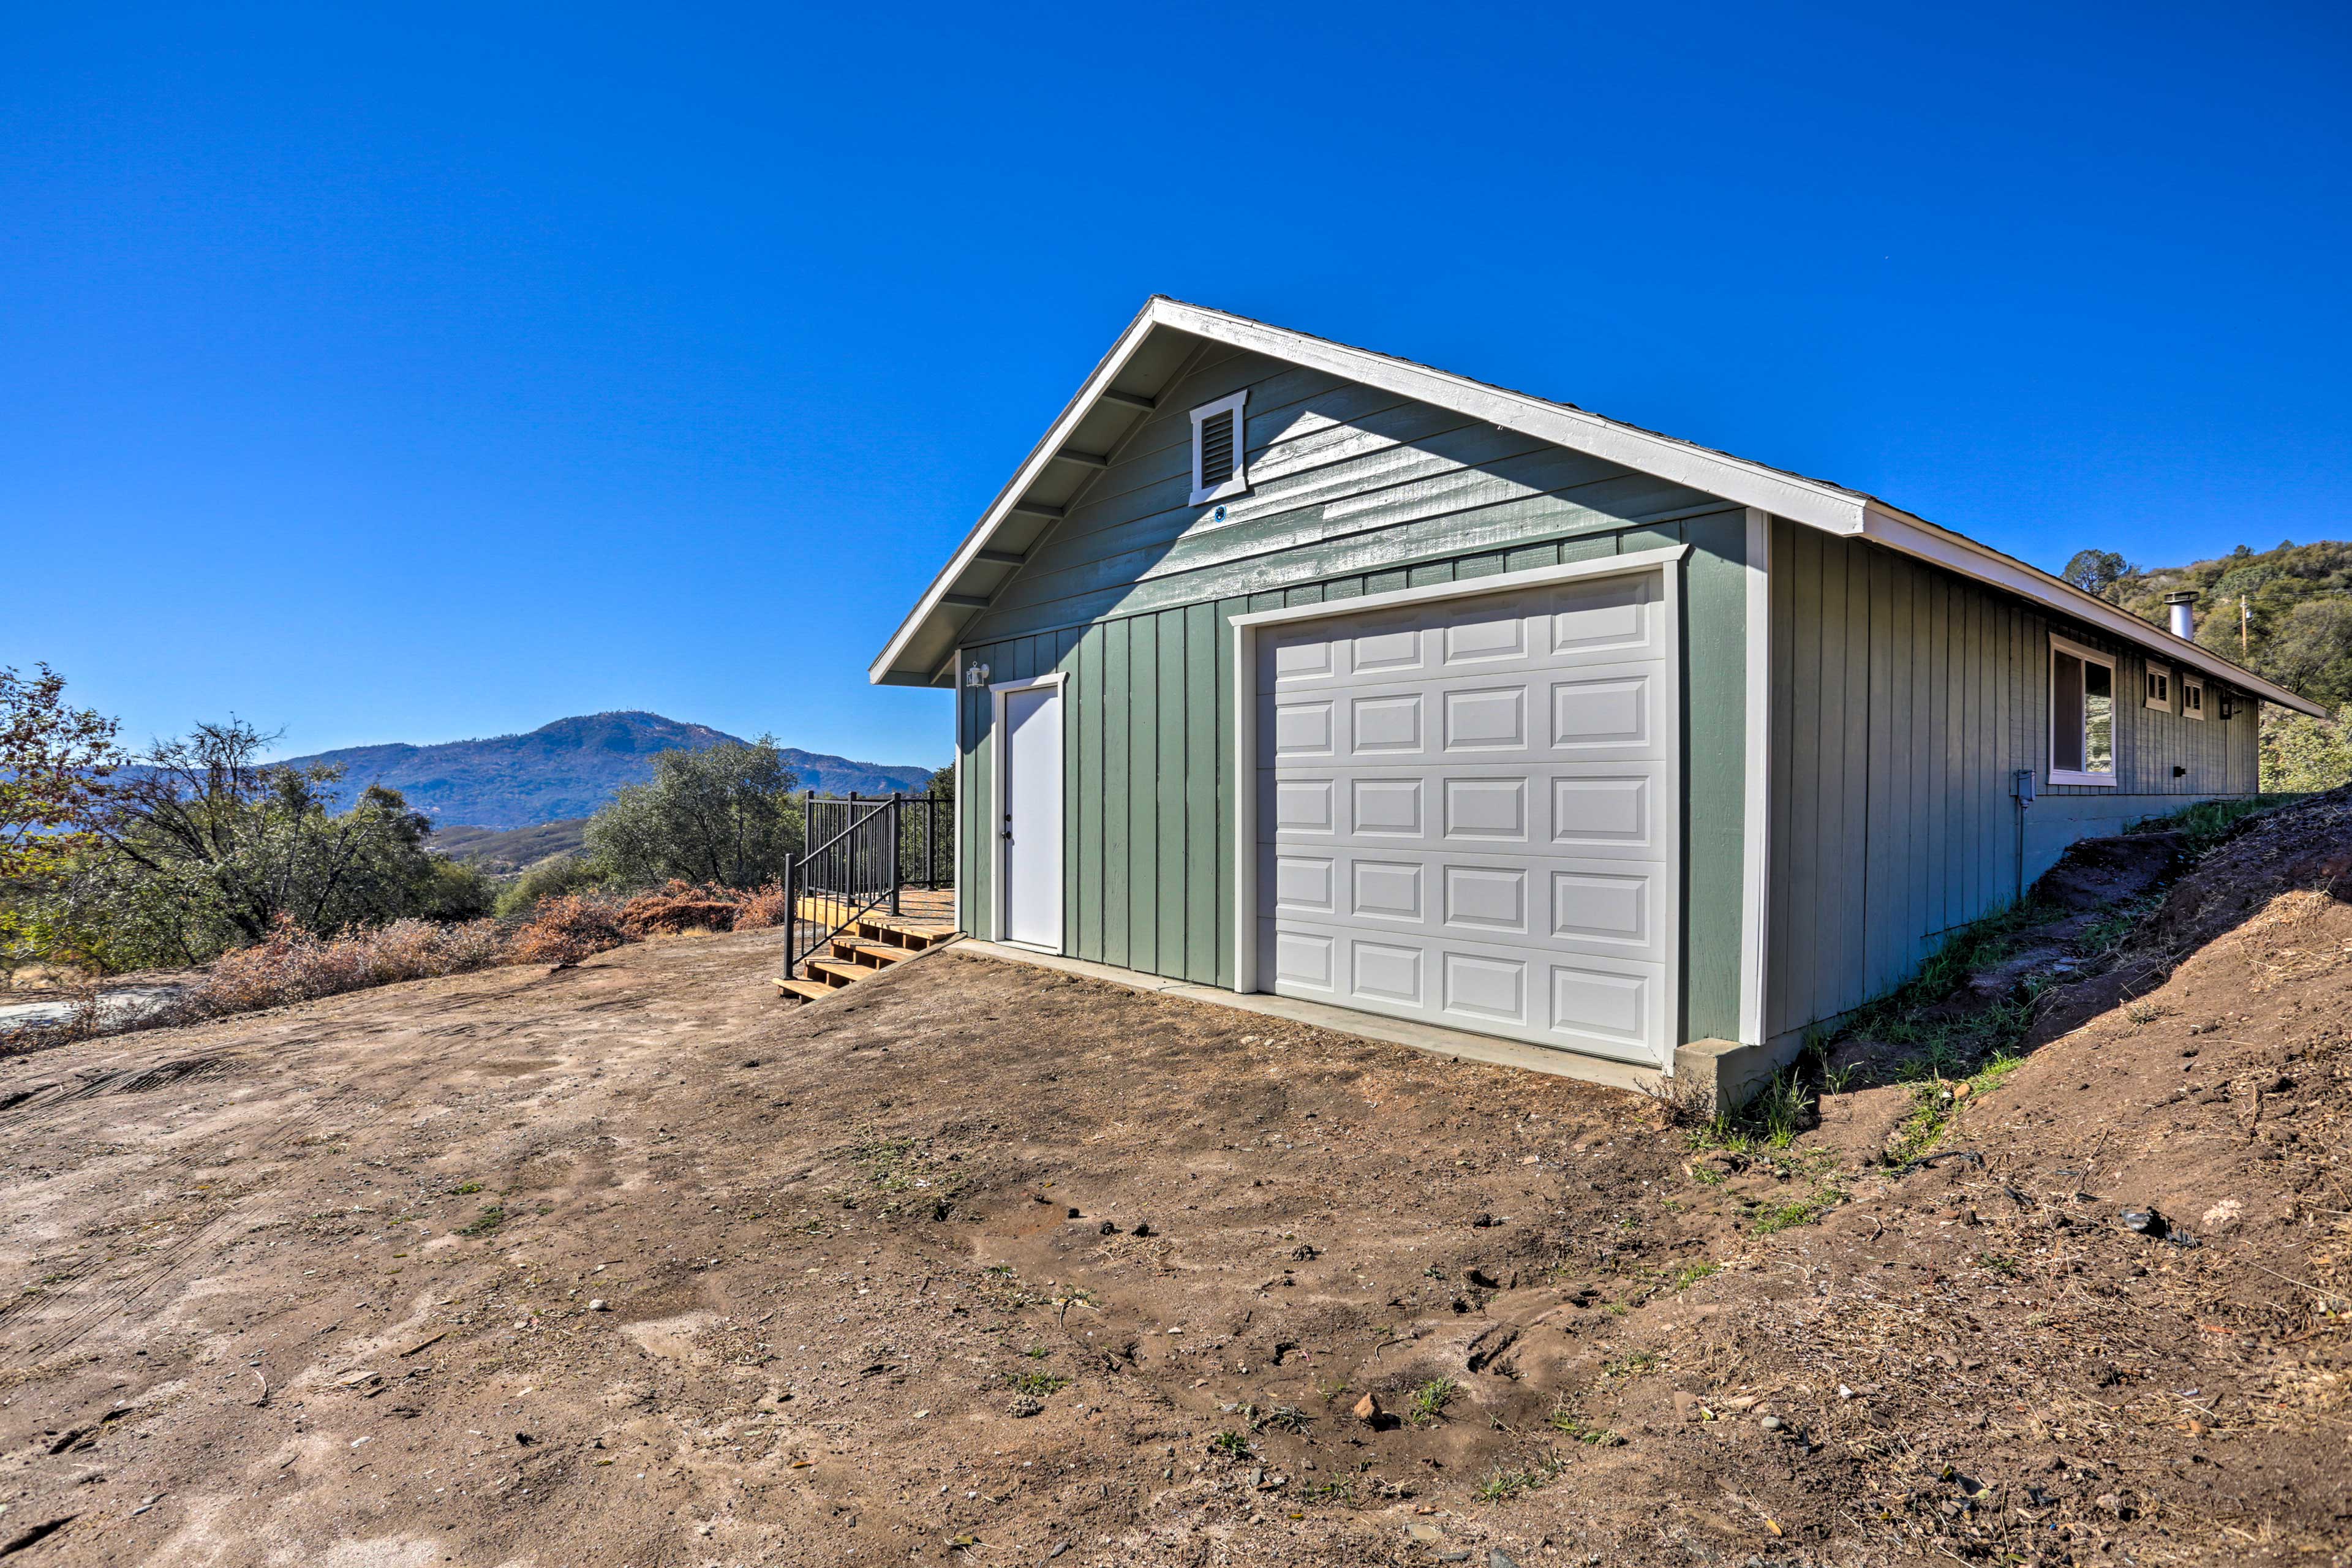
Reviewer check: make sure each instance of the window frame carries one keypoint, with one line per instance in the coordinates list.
(1237, 482)
(2195, 683)
(2051, 772)
(2151, 671)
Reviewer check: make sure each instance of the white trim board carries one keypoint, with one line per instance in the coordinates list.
(1756, 835)
(2051, 772)
(1831, 509)
(1243, 783)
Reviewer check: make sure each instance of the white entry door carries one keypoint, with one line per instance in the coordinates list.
(1029, 806)
(1468, 812)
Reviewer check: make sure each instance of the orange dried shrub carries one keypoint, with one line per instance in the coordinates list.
(293, 965)
(679, 907)
(761, 908)
(569, 927)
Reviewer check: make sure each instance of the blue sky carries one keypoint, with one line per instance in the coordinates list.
(399, 374)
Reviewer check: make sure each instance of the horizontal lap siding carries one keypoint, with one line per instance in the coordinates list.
(1903, 698)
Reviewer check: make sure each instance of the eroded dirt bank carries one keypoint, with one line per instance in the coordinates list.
(624, 1265)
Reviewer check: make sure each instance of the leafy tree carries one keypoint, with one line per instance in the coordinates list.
(724, 816)
(2097, 572)
(555, 875)
(201, 847)
(2300, 752)
(55, 760)
(2310, 649)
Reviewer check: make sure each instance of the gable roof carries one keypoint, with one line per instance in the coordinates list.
(1121, 393)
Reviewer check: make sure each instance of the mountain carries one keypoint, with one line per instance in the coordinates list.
(567, 769)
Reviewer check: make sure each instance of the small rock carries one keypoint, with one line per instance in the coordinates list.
(1459, 1554)
(599, 1305)
(1024, 1405)
(2109, 1502)
(1426, 1534)
(1484, 1222)
(1106, 1228)
(1076, 1214)
(1773, 1424)
(1498, 1558)
(1368, 1408)
(1843, 1392)
(2146, 1222)
(1143, 1228)
(1304, 1252)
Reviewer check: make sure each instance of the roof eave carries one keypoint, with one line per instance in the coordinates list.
(1897, 529)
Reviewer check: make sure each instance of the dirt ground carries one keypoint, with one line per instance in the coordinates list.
(630, 1265)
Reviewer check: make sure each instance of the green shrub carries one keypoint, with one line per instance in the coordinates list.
(552, 878)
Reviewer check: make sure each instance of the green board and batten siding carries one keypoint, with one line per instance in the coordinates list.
(1904, 699)
(1352, 493)
(1904, 696)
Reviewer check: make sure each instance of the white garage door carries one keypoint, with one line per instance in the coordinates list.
(1468, 812)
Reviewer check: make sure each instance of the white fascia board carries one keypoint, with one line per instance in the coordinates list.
(1826, 506)
(1822, 506)
(1077, 409)
(1914, 537)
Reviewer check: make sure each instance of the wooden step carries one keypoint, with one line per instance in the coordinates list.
(802, 990)
(905, 933)
(835, 973)
(872, 954)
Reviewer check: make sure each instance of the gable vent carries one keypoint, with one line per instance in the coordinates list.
(1216, 449)
(1216, 445)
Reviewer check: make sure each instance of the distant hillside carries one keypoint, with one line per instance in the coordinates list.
(2297, 600)
(568, 769)
(514, 848)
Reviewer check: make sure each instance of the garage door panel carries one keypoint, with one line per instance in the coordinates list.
(1471, 814)
(1614, 616)
(1571, 1000)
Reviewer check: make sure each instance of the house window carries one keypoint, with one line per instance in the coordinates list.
(2193, 697)
(2159, 687)
(2082, 715)
(1217, 468)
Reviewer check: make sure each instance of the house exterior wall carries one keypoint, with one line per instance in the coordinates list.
(1352, 493)
(1903, 698)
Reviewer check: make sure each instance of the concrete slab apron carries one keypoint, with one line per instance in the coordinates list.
(1345, 1021)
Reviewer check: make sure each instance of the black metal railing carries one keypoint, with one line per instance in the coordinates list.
(862, 851)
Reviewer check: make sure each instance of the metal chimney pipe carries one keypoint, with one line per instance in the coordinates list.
(2184, 616)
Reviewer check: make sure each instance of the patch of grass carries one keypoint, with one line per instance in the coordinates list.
(1035, 1385)
(1037, 1352)
(2208, 822)
(1998, 1263)
(467, 1189)
(1331, 1491)
(1232, 1445)
(1426, 1404)
(1633, 1365)
(1332, 1390)
(1782, 1109)
(2146, 1012)
(491, 1217)
(1564, 1420)
(1691, 1273)
(2104, 936)
(1804, 1211)
(1502, 1486)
